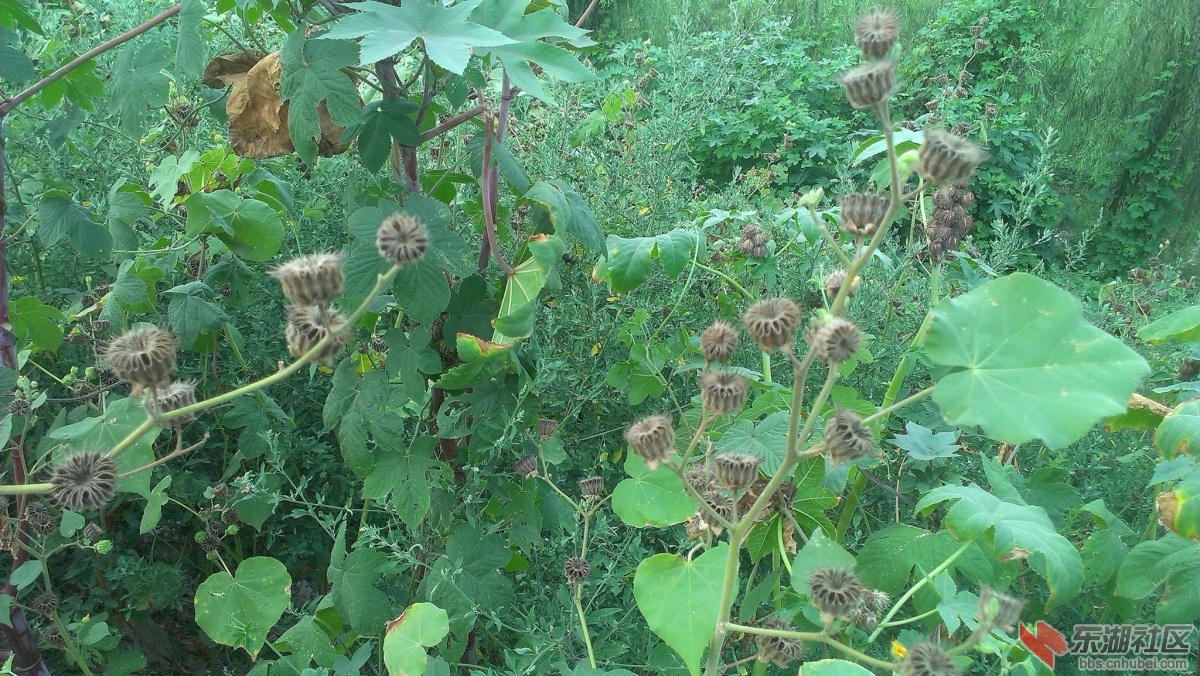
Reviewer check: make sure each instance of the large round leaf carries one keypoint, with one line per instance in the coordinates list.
(249, 227)
(420, 626)
(1180, 431)
(681, 599)
(651, 498)
(833, 668)
(238, 610)
(1024, 363)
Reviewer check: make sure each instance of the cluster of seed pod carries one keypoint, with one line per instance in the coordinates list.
(754, 241)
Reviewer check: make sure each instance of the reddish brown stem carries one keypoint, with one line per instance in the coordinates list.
(487, 184)
(586, 13)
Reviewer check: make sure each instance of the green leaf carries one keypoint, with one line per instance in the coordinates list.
(819, 552)
(833, 668)
(13, 14)
(1024, 363)
(446, 32)
(139, 79)
(977, 514)
(308, 641)
(121, 417)
(1106, 519)
(528, 30)
(466, 578)
(923, 443)
(311, 75)
(651, 498)
(766, 439)
(60, 216)
(480, 358)
(1179, 433)
(404, 475)
(524, 285)
(1102, 553)
(410, 358)
(353, 592)
(891, 555)
(238, 610)
(569, 213)
(421, 290)
(26, 574)
(36, 323)
(249, 227)
(1182, 325)
(681, 599)
(383, 121)
(420, 626)
(154, 504)
(15, 66)
(1149, 565)
(510, 167)
(190, 313)
(629, 259)
(189, 46)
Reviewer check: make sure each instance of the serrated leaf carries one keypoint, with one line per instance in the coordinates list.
(833, 668)
(154, 504)
(1102, 555)
(923, 443)
(977, 514)
(1024, 363)
(189, 46)
(60, 216)
(14, 11)
(420, 626)
(312, 75)
(528, 31)
(1172, 561)
(190, 312)
(1182, 325)
(352, 579)
(410, 358)
(891, 556)
(649, 498)
(446, 32)
(383, 121)
(404, 474)
(15, 66)
(36, 323)
(309, 642)
(766, 439)
(510, 167)
(238, 610)
(629, 259)
(680, 599)
(421, 290)
(480, 358)
(142, 85)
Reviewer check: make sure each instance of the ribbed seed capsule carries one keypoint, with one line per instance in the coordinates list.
(591, 487)
(945, 158)
(44, 603)
(653, 439)
(772, 323)
(401, 239)
(718, 342)
(83, 481)
(526, 465)
(928, 659)
(720, 503)
(171, 398)
(546, 427)
(876, 33)
(308, 324)
(869, 84)
(723, 392)
(311, 280)
(847, 438)
(778, 650)
(736, 471)
(1007, 612)
(862, 213)
(144, 357)
(576, 570)
(837, 340)
(834, 283)
(835, 592)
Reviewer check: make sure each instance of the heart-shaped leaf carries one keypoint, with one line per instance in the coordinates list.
(833, 668)
(1024, 363)
(420, 626)
(238, 610)
(1182, 325)
(651, 498)
(681, 599)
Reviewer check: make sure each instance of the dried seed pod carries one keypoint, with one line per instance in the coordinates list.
(699, 477)
(864, 618)
(928, 659)
(98, 326)
(401, 239)
(92, 531)
(941, 79)
(1188, 370)
(772, 323)
(723, 392)
(869, 84)
(653, 439)
(720, 503)
(835, 281)
(591, 487)
(311, 280)
(576, 570)
(975, 30)
(718, 342)
(949, 222)
(1007, 612)
(171, 398)
(44, 603)
(84, 481)
(546, 427)
(861, 213)
(19, 407)
(778, 650)
(53, 638)
(228, 515)
(143, 357)
(736, 471)
(876, 600)
(40, 519)
(210, 542)
(308, 325)
(847, 438)
(378, 345)
(527, 465)
(837, 340)
(836, 592)
(875, 34)
(945, 158)
(220, 491)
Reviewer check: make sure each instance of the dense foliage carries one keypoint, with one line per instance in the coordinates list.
(381, 337)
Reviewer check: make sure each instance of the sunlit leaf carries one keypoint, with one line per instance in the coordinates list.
(238, 610)
(680, 599)
(651, 498)
(420, 626)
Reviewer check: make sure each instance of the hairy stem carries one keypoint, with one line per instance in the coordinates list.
(913, 590)
(819, 637)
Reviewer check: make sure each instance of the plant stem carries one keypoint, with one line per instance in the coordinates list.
(898, 405)
(913, 590)
(819, 637)
(587, 639)
(729, 280)
(910, 620)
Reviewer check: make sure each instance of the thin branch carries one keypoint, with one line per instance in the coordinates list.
(38, 86)
(586, 13)
(488, 187)
(166, 458)
(452, 122)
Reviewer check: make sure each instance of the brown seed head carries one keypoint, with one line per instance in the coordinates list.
(723, 392)
(546, 427)
(869, 84)
(591, 487)
(861, 213)
(837, 340)
(876, 600)
(653, 439)
(772, 323)
(720, 503)
(847, 438)
(171, 398)
(1007, 612)
(19, 407)
(576, 570)
(778, 650)
(736, 471)
(526, 465)
(876, 33)
(835, 592)
(44, 603)
(84, 481)
(834, 283)
(40, 519)
(928, 659)
(718, 342)
(945, 158)
(308, 324)
(401, 239)
(311, 280)
(143, 357)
